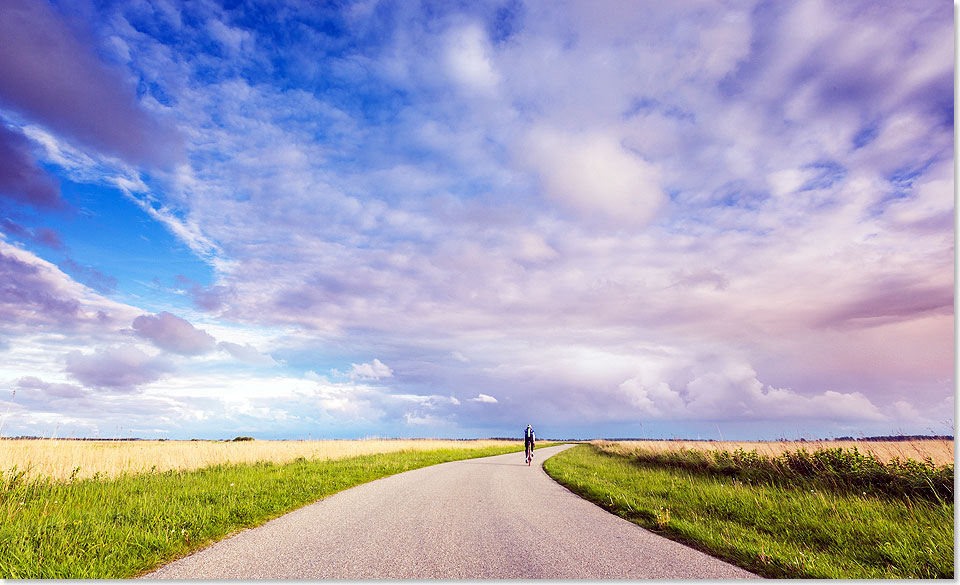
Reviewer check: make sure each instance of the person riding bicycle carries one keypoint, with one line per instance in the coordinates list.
(529, 440)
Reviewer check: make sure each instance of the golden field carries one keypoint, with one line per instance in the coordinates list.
(940, 450)
(57, 458)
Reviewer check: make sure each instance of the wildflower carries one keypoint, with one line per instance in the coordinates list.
(231, 483)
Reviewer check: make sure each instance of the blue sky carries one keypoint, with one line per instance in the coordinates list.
(293, 219)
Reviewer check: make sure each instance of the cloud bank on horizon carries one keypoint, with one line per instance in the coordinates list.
(428, 219)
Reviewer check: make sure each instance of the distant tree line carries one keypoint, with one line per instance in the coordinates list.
(785, 440)
(898, 438)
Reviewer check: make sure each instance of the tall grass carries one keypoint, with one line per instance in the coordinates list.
(122, 526)
(63, 459)
(941, 451)
(788, 527)
(830, 468)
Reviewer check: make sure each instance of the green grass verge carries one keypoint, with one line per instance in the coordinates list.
(116, 528)
(833, 469)
(774, 530)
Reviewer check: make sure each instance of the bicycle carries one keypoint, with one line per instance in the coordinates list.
(529, 440)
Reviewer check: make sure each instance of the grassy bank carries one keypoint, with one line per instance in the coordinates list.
(123, 526)
(939, 450)
(782, 528)
(832, 469)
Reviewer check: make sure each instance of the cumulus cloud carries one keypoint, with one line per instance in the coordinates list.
(467, 58)
(682, 387)
(29, 293)
(429, 421)
(346, 401)
(738, 394)
(592, 174)
(33, 395)
(784, 216)
(765, 191)
(209, 298)
(121, 368)
(42, 408)
(36, 295)
(53, 75)
(21, 178)
(51, 389)
(333, 404)
(370, 371)
(656, 400)
(174, 334)
(485, 398)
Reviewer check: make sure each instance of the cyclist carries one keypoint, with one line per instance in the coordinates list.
(529, 439)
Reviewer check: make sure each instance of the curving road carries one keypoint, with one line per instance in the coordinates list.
(490, 518)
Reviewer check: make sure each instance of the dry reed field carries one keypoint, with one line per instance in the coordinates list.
(57, 458)
(940, 450)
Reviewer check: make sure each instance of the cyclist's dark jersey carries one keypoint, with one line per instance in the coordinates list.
(529, 438)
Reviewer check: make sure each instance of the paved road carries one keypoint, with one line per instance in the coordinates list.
(491, 518)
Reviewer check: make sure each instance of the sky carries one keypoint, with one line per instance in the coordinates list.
(293, 220)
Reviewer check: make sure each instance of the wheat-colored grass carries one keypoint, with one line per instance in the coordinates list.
(58, 459)
(940, 450)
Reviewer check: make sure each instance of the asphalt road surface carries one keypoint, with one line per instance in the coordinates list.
(490, 518)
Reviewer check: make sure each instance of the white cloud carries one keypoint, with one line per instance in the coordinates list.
(53, 390)
(38, 295)
(657, 401)
(533, 248)
(370, 371)
(121, 368)
(426, 231)
(246, 353)
(733, 392)
(430, 422)
(229, 37)
(468, 61)
(173, 333)
(79, 164)
(592, 174)
(484, 398)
